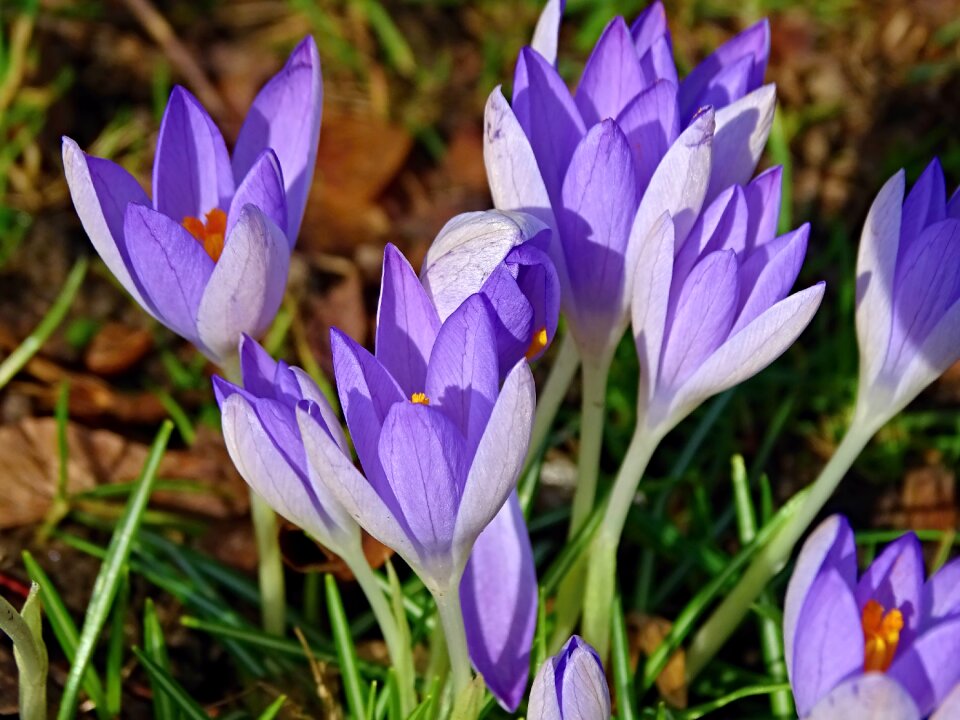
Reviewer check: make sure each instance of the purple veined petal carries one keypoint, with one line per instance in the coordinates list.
(191, 170)
(424, 462)
(512, 313)
(171, 266)
(924, 205)
(285, 116)
(749, 351)
(538, 281)
(498, 594)
(876, 266)
(246, 286)
(498, 461)
(549, 117)
(763, 202)
(544, 703)
(926, 284)
(612, 76)
(101, 191)
(722, 225)
(828, 645)
(547, 31)
(728, 85)
(657, 63)
(650, 26)
(953, 206)
(599, 201)
(651, 124)
(257, 368)
(754, 42)
(741, 134)
(463, 375)
(701, 319)
(938, 352)
(895, 580)
(367, 392)
(467, 251)
(582, 685)
(941, 594)
(768, 274)
(651, 297)
(321, 409)
(407, 323)
(950, 707)
(829, 545)
(873, 695)
(262, 187)
(928, 669)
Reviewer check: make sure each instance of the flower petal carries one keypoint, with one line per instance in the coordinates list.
(544, 703)
(924, 205)
(498, 460)
(651, 296)
(191, 170)
(547, 31)
(874, 696)
(729, 85)
(246, 286)
(612, 76)
(262, 187)
(285, 116)
(657, 63)
(939, 351)
(763, 201)
(257, 368)
(941, 594)
(583, 686)
(722, 225)
(651, 123)
(950, 707)
(928, 669)
(407, 323)
(650, 26)
(895, 580)
(499, 598)
(768, 274)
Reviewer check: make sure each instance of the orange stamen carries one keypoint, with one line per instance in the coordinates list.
(538, 343)
(210, 234)
(881, 635)
(420, 399)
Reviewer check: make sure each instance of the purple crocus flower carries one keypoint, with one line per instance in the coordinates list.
(600, 166)
(262, 436)
(570, 686)
(208, 257)
(908, 288)
(441, 446)
(884, 645)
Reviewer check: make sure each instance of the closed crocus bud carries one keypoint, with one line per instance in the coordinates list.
(209, 256)
(908, 287)
(570, 686)
(882, 645)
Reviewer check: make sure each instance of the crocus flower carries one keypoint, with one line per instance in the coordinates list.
(441, 446)
(599, 167)
(884, 645)
(503, 256)
(570, 686)
(908, 288)
(262, 436)
(208, 257)
(715, 309)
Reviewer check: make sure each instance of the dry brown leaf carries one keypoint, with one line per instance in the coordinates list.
(116, 348)
(929, 498)
(646, 632)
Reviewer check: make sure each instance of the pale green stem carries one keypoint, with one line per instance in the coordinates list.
(602, 559)
(550, 398)
(570, 593)
(397, 645)
(32, 668)
(273, 601)
(451, 617)
(771, 559)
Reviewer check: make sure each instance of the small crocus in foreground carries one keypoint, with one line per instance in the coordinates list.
(570, 686)
(884, 645)
(209, 256)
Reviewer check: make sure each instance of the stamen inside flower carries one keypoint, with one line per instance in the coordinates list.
(881, 635)
(420, 399)
(210, 234)
(538, 343)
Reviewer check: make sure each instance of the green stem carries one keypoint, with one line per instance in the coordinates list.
(397, 645)
(451, 617)
(601, 576)
(30, 663)
(550, 398)
(771, 559)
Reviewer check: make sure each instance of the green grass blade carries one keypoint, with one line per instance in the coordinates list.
(572, 551)
(105, 587)
(622, 673)
(346, 652)
(160, 678)
(273, 709)
(114, 667)
(155, 648)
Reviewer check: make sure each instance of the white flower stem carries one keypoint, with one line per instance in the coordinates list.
(451, 618)
(771, 558)
(550, 398)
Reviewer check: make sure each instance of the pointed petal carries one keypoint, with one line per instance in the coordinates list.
(650, 26)
(873, 696)
(950, 707)
(285, 116)
(830, 545)
(544, 703)
(257, 368)
(583, 686)
(895, 579)
(498, 460)
(547, 31)
(651, 123)
(612, 76)
(262, 187)
(953, 206)
(768, 274)
(729, 85)
(499, 598)
(246, 286)
(924, 205)
(742, 131)
(172, 268)
(938, 352)
(928, 669)
(651, 295)
(538, 284)
(722, 225)
(191, 170)
(941, 594)
(763, 201)
(830, 648)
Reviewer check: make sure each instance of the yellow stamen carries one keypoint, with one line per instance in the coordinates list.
(210, 233)
(881, 635)
(420, 399)
(538, 343)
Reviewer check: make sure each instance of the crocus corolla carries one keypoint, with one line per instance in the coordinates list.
(908, 293)
(600, 166)
(209, 256)
(881, 646)
(570, 686)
